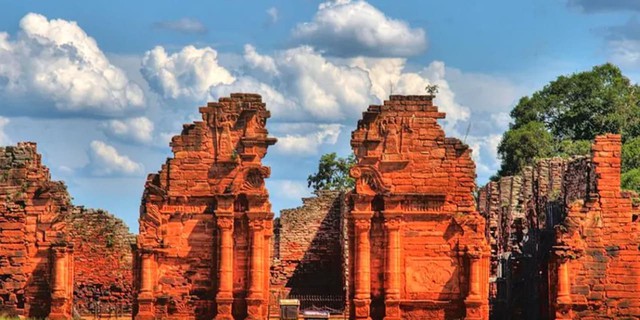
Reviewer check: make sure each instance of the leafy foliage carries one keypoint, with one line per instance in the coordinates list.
(333, 173)
(631, 180)
(522, 145)
(569, 112)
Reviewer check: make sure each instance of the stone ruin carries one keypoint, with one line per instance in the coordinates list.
(36, 257)
(53, 254)
(205, 225)
(206, 221)
(565, 239)
(409, 242)
(417, 243)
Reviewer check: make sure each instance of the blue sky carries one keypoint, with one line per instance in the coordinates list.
(101, 86)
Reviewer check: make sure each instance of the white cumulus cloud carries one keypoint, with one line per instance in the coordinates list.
(289, 189)
(106, 161)
(188, 74)
(348, 28)
(139, 129)
(54, 62)
(293, 143)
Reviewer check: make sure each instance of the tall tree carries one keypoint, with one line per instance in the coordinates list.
(568, 113)
(333, 173)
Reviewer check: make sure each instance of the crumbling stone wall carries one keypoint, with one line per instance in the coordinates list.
(103, 262)
(35, 263)
(206, 221)
(417, 244)
(308, 250)
(565, 239)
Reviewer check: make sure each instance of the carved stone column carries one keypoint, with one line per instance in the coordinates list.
(563, 301)
(474, 301)
(62, 292)
(256, 294)
(362, 299)
(392, 283)
(145, 297)
(224, 298)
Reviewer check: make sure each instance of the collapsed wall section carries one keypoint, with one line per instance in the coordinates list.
(572, 226)
(308, 252)
(103, 262)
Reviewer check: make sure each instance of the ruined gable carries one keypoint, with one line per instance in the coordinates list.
(414, 233)
(205, 220)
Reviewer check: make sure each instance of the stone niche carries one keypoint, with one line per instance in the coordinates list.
(206, 221)
(36, 256)
(417, 244)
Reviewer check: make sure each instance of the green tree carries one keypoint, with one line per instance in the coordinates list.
(631, 154)
(522, 145)
(333, 173)
(631, 180)
(568, 113)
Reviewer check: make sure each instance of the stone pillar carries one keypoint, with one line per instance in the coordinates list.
(362, 300)
(224, 298)
(474, 300)
(563, 302)
(145, 296)
(62, 293)
(393, 254)
(256, 294)
(268, 233)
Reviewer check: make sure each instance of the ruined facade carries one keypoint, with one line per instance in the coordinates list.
(565, 239)
(206, 221)
(417, 245)
(36, 257)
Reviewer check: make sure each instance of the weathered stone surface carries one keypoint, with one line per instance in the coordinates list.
(569, 222)
(103, 262)
(36, 260)
(418, 245)
(206, 220)
(309, 257)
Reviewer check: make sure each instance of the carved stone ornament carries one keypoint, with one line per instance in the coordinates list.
(392, 223)
(362, 225)
(225, 223)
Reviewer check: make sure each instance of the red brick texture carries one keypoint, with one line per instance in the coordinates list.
(308, 256)
(206, 221)
(36, 257)
(567, 220)
(103, 262)
(417, 244)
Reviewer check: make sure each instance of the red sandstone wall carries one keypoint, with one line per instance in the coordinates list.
(572, 210)
(208, 204)
(103, 262)
(32, 208)
(414, 187)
